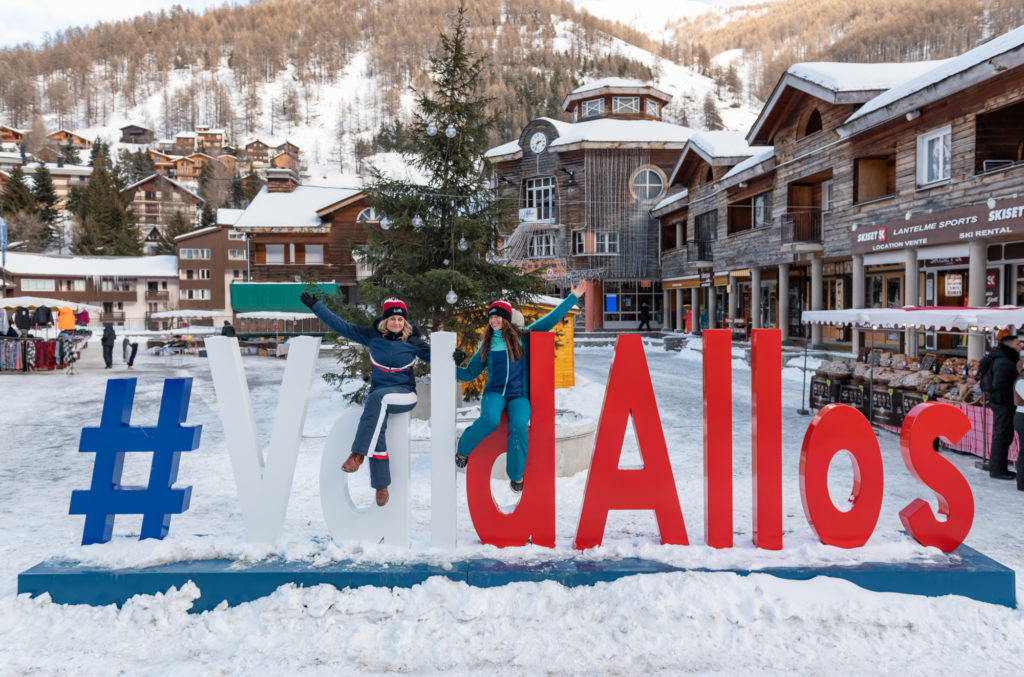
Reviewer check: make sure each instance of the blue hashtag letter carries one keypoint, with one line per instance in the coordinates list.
(106, 498)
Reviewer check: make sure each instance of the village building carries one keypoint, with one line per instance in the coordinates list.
(64, 137)
(210, 260)
(298, 230)
(11, 135)
(888, 185)
(127, 288)
(584, 191)
(136, 134)
(64, 177)
(154, 200)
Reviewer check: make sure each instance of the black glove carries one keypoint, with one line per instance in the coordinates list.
(307, 299)
(459, 355)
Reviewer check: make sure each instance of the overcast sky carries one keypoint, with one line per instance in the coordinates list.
(29, 20)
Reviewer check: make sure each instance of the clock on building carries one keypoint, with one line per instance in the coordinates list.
(538, 142)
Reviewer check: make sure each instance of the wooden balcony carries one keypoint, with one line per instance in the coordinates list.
(801, 230)
(113, 316)
(699, 252)
(157, 295)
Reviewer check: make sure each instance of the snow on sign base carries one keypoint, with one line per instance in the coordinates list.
(966, 572)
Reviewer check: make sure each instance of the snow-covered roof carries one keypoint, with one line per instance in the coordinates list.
(92, 266)
(58, 170)
(185, 135)
(718, 148)
(297, 209)
(274, 315)
(613, 86)
(186, 313)
(193, 233)
(944, 79)
(596, 133)
(837, 83)
(32, 302)
(671, 199)
(749, 168)
(167, 179)
(228, 217)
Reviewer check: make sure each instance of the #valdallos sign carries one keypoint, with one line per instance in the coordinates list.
(264, 477)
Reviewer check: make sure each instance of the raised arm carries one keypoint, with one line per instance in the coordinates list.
(353, 332)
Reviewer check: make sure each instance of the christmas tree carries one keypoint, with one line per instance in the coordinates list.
(434, 244)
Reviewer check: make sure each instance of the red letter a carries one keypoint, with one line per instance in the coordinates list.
(629, 392)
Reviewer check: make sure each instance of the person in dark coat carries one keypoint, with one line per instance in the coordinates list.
(227, 329)
(1002, 361)
(645, 317)
(128, 351)
(394, 344)
(108, 345)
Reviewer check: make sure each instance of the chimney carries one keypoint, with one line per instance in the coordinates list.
(281, 180)
(60, 161)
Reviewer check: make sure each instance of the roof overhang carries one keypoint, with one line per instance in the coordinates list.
(616, 90)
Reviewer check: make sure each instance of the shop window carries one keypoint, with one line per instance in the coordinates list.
(999, 138)
(625, 104)
(874, 177)
(275, 253)
(933, 154)
(591, 108)
(314, 254)
(813, 124)
(606, 242)
(647, 184)
(541, 245)
(368, 215)
(540, 195)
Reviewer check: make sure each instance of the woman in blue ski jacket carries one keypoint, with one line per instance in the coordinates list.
(505, 355)
(394, 345)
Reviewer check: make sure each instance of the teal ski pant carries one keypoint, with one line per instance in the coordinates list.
(491, 407)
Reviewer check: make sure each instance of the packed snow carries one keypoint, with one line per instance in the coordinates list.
(667, 623)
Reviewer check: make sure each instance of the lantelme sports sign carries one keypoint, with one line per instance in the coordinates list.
(264, 479)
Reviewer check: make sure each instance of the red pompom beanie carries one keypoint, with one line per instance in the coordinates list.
(393, 306)
(501, 308)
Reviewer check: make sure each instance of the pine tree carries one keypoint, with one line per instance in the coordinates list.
(712, 120)
(237, 199)
(208, 216)
(251, 185)
(17, 197)
(99, 148)
(452, 249)
(178, 225)
(70, 154)
(46, 201)
(107, 225)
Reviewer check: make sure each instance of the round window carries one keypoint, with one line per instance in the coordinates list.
(368, 215)
(647, 184)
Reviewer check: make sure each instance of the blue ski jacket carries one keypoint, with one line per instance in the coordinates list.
(392, 359)
(505, 376)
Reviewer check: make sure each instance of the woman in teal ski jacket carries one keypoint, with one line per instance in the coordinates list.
(504, 354)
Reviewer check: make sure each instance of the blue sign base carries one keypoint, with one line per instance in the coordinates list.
(968, 573)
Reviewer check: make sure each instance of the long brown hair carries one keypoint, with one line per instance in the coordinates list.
(511, 335)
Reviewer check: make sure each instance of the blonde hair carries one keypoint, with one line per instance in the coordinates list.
(382, 327)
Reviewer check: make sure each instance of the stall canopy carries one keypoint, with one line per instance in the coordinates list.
(33, 302)
(274, 315)
(936, 317)
(275, 296)
(163, 314)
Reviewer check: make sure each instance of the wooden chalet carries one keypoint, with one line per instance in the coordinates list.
(154, 200)
(136, 134)
(299, 230)
(11, 135)
(64, 137)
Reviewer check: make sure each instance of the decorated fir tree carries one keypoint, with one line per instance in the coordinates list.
(434, 243)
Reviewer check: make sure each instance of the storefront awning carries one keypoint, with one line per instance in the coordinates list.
(938, 317)
(278, 296)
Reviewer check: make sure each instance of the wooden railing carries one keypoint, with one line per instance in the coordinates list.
(801, 227)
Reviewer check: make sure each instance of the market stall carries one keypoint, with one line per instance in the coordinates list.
(42, 334)
(885, 385)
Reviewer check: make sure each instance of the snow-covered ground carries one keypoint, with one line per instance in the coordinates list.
(667, 623)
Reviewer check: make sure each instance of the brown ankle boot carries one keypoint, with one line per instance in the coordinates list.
(382, 496)
(352, 463)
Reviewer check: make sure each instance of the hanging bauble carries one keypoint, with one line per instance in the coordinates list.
(431, 129)
(451, 297)
(385, 223)
(417, 221)
(463, 245)
(450, 131)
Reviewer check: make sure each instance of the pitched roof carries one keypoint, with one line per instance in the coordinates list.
(718, 149)
(944, 79)
(604, 132)
(613, 86)
(92, 266)
(835, 83)
(295, 210)
(171, 181)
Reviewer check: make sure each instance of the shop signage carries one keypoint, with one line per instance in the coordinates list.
(264, 482)
(553, 268)
(963, 224)
(954, 284)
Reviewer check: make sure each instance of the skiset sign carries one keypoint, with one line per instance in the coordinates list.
(264, 479)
